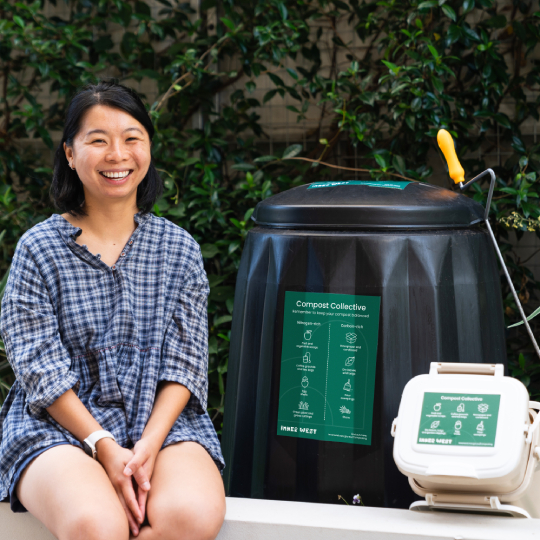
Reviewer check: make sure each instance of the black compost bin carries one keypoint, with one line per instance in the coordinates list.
(347, 290)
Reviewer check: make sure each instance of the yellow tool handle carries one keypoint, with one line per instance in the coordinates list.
(446, 144)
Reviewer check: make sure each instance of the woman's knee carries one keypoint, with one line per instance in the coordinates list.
(95, 523)
(191, 519)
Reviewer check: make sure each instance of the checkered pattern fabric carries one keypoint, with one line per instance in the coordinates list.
(111, 333)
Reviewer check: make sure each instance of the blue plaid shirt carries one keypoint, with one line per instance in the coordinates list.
(111, 333)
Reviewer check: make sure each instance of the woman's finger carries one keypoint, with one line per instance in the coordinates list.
(139, 457)
(142, 496)
(128, 492)
(142, 478)
(133, 525)
(135, 467)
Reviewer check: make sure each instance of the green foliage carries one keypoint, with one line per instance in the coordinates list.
(426, 65)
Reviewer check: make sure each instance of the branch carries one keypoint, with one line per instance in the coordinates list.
(346, 168)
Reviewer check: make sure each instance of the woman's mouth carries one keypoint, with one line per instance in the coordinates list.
(116, 177)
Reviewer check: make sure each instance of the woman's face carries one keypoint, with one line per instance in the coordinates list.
(111, 154)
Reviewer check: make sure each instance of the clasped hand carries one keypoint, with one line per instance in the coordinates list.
(130, 472)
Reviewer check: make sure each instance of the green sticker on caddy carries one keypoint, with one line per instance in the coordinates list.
(388, 184)
(328, 360)
(459, 419)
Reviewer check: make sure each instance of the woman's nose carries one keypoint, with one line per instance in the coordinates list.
(116, 151)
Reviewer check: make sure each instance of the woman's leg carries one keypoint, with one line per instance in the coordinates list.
(187, 498)
(72, 496)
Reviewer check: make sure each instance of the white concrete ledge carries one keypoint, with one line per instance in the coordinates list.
(249, 519)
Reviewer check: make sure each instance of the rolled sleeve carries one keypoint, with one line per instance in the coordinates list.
(185, 348)
(33, 344)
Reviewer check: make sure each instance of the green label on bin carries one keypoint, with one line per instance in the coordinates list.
(328, 361)
(394, 184)
(459, 419)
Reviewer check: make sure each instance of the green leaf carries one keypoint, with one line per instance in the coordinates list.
(410, 120)
(433, 50)
(449, 12)
(4, 280)
(269, 95)
(438, 84)
(428, 4)
(243, 167)
(467, 6)
(264, 159)
(292, 151)
(228, 23)
(283, 11)
(399, 164)
(470, 33)
(222, 320)
(18, 20)
(531, 316)
(502, 120)
(416, 104)
(368, 97)
(209, 250)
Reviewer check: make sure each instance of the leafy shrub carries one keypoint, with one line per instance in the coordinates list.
(467, 66)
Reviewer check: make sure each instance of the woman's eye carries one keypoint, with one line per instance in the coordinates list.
(133, 139)
(98, 140)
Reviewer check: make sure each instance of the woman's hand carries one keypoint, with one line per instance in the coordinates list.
(141, 467)
(114, 459)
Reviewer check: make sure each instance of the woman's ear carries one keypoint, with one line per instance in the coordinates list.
(69, 155)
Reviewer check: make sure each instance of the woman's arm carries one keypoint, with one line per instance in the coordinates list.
(171, 398)
(69, 411)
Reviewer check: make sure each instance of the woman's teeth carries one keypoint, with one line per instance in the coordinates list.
(122, 174)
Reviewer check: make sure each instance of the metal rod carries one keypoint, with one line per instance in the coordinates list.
(516, 298)
(496, 246)
(491, 188)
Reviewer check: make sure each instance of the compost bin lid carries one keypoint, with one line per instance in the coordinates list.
(382, 204)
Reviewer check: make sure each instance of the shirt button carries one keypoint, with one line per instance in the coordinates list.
(123, 254)
(130, 242)
(114, 266)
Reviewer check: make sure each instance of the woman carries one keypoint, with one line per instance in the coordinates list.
(104, 322)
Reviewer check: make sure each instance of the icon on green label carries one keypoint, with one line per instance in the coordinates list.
(461, 407)
(328, 360)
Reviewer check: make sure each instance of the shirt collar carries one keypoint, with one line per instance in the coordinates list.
(67, 230)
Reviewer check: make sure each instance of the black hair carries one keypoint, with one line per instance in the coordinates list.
(67, 191)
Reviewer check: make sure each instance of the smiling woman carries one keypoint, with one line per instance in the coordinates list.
(104, 322)
(108, 145)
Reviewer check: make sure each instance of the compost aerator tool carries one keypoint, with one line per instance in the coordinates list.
(457, 173)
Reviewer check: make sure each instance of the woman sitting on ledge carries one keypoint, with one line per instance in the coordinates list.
(104, 322)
